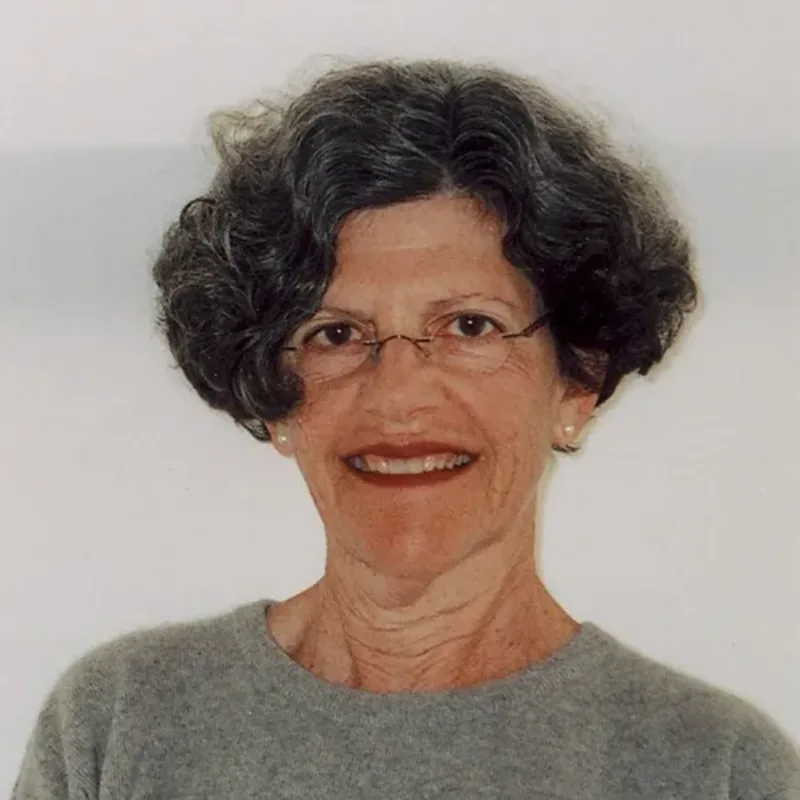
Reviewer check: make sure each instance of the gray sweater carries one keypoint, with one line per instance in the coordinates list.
(214, 709)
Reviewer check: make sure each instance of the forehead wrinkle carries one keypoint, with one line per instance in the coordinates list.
(428, 284)
(431, 305)
(437, 271)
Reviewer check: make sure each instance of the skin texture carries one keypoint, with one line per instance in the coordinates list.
(429, 587)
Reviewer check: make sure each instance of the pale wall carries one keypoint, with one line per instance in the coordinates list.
(126, 503)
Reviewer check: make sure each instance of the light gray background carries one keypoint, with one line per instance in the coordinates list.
(123, 502)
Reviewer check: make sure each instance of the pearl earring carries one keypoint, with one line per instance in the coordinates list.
(282, 439)
(569, 430)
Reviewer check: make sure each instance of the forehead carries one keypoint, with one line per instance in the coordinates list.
(424, 248)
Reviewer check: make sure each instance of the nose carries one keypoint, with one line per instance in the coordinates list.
(398, 385)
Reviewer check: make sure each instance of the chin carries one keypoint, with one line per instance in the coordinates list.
(412, 548)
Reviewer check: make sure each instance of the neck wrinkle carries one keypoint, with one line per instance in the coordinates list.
(513, 633)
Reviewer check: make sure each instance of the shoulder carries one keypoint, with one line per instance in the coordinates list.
(169, 651)
(764, 762)
(659, 693)
(117, 694)
(148, 666)
(688, 721)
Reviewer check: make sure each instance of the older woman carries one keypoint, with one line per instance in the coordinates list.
(416, 280)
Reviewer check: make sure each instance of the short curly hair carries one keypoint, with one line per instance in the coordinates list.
(251, 259)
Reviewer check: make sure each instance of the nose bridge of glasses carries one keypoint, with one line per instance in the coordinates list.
(420, 343)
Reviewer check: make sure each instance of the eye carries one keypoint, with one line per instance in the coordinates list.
(472, 326)
(330, 335)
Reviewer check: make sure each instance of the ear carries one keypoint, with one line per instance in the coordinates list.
(575, 409)
(281, 437)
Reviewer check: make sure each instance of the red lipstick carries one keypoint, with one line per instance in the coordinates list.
(415, 449)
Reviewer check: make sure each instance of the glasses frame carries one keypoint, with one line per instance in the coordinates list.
(376, 345)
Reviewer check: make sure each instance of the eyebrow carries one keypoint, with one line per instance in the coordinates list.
(434, 305)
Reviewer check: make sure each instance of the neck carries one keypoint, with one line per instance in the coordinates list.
(455, 631)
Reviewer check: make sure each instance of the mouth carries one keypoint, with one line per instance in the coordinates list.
(421, 470)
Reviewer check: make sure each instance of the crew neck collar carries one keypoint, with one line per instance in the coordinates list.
(274, 668)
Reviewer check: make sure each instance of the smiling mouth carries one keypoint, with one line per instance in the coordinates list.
(419, 465)
(407, 472)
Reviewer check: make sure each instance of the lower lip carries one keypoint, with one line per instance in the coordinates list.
(402, 481)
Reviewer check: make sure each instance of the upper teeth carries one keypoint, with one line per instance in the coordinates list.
(400, 466)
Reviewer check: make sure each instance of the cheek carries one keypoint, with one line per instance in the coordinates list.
(318, 421)
(521, 434)
(525, 398)
(523, 408)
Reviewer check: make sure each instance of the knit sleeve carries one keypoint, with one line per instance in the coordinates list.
(64, 753)
(765, 764)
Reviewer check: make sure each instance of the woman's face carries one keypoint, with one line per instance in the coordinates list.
(401, 268)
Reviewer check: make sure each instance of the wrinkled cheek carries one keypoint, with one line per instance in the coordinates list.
(524, 450)
(314, 424)
(326, 411)
(323, 479)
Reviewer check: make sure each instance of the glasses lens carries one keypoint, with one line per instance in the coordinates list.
(324, 350)
(484, 354)
(317, 365)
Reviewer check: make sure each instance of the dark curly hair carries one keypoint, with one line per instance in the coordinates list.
(251, 259)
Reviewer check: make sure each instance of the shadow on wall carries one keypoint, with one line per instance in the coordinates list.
(80, 228)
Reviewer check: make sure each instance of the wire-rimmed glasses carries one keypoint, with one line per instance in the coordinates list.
(331, 349)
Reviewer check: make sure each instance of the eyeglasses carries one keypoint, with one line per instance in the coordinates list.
(466, 342)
